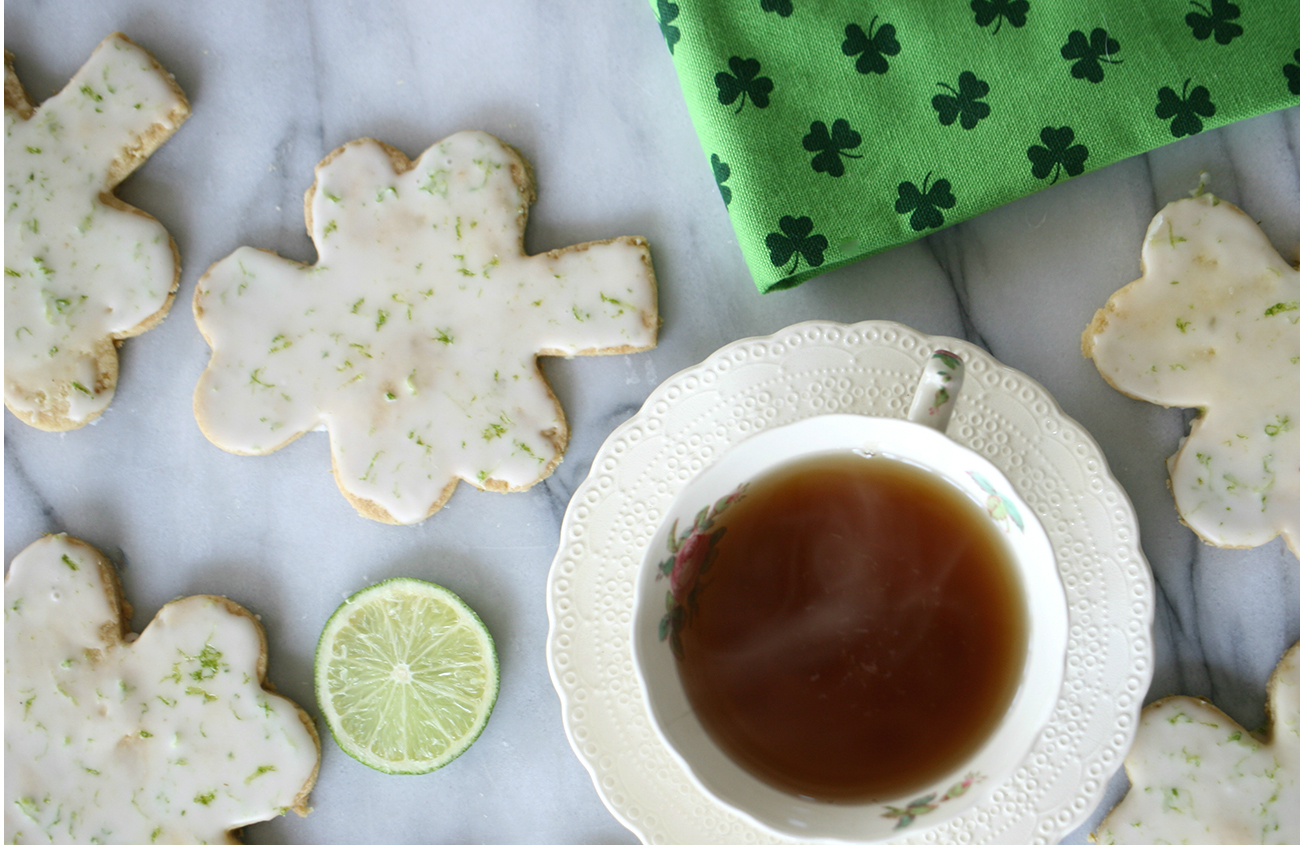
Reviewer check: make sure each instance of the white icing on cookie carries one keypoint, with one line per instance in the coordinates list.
(414, 337)
(80, 272)
(1198, 777)
(169, 738)
(1214, 323)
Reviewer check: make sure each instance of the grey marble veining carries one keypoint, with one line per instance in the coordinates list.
(587, 92)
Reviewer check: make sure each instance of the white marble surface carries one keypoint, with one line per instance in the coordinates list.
(588, 93)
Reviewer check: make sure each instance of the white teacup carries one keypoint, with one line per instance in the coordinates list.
(919, 441)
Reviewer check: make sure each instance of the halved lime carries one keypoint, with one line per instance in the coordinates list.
(406, 676)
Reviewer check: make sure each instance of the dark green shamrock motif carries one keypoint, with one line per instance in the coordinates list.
(741, 82)
(925, 204)
(1217, 21)
(1090, 52)
(721, 173)
(964, 101)
(1058, 151)
(874, 45)
(829, 146)
(667, 13)
(988, 11)
(784, 8)
(1185, 109)
(1292, 74)
(797, 240)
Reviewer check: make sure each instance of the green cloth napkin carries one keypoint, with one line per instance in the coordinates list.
(838, 129)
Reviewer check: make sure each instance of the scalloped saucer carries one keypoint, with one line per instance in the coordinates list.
(868, 368)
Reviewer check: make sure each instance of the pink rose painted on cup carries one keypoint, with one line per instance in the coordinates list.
(689, 557)
(686, 565)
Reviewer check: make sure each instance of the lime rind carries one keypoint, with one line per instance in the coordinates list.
(406, 676)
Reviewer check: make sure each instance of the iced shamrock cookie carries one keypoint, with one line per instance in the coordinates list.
(83, 270)
(414, 337)
(1214, 324)
(168, 737)
(1197, 776)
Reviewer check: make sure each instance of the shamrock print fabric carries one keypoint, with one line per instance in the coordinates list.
(836, 129)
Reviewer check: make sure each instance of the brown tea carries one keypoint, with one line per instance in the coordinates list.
(857, 631)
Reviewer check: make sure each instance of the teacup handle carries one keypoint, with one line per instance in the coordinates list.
(936, 392)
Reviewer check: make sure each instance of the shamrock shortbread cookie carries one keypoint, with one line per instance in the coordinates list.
(168, 737)
(1214, 324)
(1198, 777)
(83, 270)
(414, 337)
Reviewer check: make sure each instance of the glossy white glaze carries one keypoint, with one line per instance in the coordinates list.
(414, 337)
(1200, 777)
(167, 738)
(1214, 324)
(600, 115)
(79, 271)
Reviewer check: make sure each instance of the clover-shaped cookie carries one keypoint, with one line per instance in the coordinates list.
(168, 737)
(1197, 776)
(83, 270)
(414, 337)
(1214, 324)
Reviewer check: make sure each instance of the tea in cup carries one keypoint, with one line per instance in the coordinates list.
(850, 625)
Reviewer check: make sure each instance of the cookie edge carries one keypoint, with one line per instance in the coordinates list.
(129, 159)
(115, 636)
(1269, 731)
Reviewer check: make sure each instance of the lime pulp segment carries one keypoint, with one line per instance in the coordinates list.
(406, 676)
